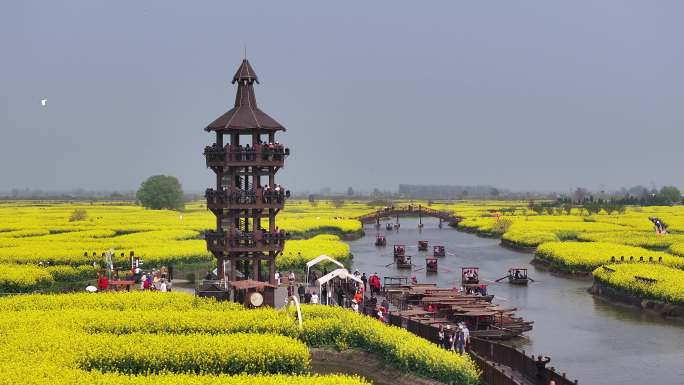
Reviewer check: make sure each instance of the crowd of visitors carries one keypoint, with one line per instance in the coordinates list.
(238, 153)
(154, 280)
(266, 194)
(456, 340)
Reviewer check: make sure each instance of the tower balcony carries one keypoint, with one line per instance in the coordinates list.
(261, 155)
(254, 199)
(236, 242)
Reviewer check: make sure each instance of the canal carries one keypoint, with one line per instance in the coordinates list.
(595, 342)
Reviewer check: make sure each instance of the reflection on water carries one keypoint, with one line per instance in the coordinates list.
(593, 341)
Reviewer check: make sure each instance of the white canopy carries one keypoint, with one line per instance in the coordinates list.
(322, 258)
(318, 260)
(341, 273)
(337, 273)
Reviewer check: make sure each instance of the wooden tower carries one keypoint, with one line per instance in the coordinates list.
(246, 199)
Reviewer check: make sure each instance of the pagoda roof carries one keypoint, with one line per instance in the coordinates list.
(245, 115)
(245, 72)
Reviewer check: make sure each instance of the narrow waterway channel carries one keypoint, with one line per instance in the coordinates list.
(595, 342)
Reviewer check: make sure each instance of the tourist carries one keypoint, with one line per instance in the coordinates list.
(340, 297)
(364, 279)
(301, 291)
(162, 285)
(324, 297)
(102, 282)
(440, 336)
(291, 278)
(466, 334)
(358, 297)
(277, 278)
(314, 298)
(307, 297)
(540, 363)
(460, 340)
(384, 303)
(449, 338)
(355, 306)
(374, 282)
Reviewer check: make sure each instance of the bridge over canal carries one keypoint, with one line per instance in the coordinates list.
(419, 211)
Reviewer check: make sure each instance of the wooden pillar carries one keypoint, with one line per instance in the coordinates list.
(271, 271)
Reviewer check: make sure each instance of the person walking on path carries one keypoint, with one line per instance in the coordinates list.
(364, 279)
(466, 335)
(301, 290)
(450, 338)
(440, 336)
(460, 340)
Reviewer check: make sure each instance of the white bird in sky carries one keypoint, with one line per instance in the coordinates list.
(43, 102)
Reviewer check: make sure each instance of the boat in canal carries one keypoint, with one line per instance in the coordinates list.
(403, 262)
(438, 251)
(516, 276)
(380, 240)
(424, 307)
(431, 265)
(399, 250)
(422, 245)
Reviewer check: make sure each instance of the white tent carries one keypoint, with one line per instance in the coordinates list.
(318, 260)
(341, 273)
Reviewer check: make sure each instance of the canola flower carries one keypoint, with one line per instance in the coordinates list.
(194, 353)
(529, 238)
(669, 285)
(31, 233)
(64, 339)
(645, 239)
(587, 256)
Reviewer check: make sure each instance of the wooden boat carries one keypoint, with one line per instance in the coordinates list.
(380, 240)
(470, 276)
(438, 251)
(404, 262)
(516, 276)
(388, 227)
(425, 307)
(399, 250)
(422, 245)
(431, 265)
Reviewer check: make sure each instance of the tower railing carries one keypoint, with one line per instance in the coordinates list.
(266, 154)
(259, 240)
(259, 198)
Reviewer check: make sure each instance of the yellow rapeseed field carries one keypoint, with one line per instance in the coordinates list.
(148, 337)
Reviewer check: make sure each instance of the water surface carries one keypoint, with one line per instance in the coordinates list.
(591, 340)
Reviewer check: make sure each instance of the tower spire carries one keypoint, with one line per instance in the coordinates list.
(245, 72)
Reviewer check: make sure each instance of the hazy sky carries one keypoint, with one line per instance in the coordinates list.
(529, 95)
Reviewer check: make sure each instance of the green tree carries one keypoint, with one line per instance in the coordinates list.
(161, 192)
(671, 194)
